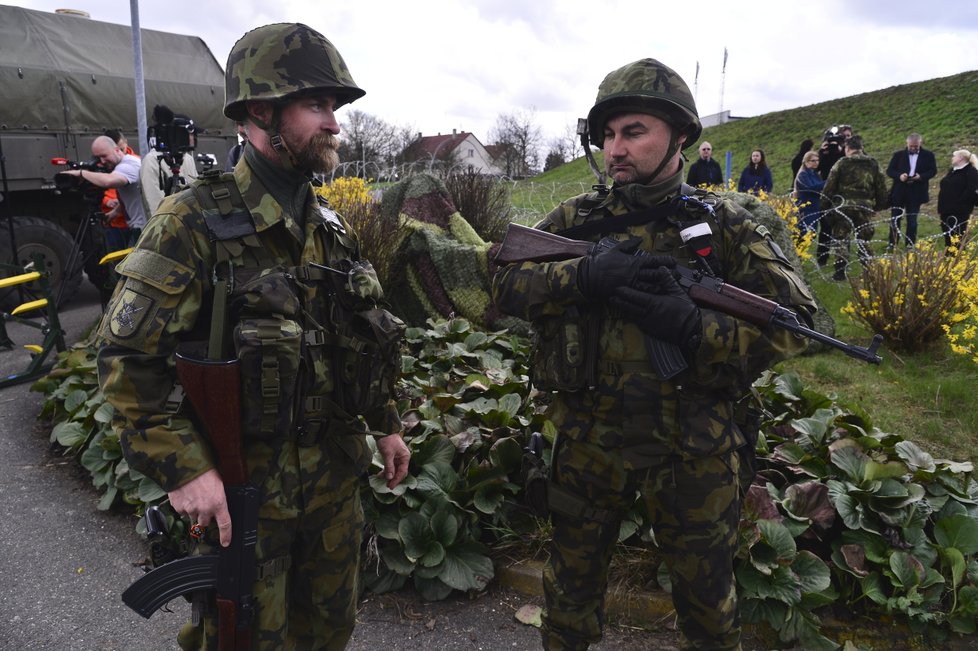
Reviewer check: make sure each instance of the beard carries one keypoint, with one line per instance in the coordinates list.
(319, 156)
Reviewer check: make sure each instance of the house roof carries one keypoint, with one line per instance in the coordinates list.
(440, 144)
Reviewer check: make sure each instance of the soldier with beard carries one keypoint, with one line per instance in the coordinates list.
(246, 265)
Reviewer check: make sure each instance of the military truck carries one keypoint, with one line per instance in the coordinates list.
(64, 79)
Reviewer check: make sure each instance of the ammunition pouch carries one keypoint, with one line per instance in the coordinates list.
(362, 340)
(268, 342)
(269, 350)
(562, 357)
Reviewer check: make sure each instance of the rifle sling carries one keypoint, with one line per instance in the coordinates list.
(616, 223)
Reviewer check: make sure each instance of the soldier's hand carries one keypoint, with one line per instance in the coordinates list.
(660, 307)
(202, 499)
(604, 270)
(396, 456)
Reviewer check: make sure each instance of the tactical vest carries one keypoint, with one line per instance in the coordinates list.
(564, 353)
(315, 342)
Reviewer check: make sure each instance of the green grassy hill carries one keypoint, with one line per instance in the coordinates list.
(944, 111)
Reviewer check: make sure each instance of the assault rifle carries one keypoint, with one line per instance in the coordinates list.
(524, 244)
(214, 390)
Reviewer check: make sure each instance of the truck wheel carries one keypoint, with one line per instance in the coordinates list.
(36, 236)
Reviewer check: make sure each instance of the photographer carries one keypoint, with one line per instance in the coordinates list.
(123, 175)
(170, 165)
(116, 228)
(831, 149)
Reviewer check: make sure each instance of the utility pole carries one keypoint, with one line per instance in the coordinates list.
(137, 64)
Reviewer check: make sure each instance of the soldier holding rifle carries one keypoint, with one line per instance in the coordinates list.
(253, 269)
(677, 433)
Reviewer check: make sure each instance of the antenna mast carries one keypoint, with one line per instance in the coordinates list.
(723, 81)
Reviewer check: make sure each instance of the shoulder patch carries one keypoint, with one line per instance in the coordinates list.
(131, 309)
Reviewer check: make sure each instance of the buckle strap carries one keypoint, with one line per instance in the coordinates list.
(574, 506)
(273, 567)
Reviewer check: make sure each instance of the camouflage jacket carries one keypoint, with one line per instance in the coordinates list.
(859, 181)
(691, 415)
(165, 301)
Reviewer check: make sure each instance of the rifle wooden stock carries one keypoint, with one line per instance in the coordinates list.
(524, 244)
(214, 390)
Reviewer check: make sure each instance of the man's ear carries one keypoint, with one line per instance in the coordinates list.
(681, 139)
(260, 111)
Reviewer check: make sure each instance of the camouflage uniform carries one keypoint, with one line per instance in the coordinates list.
(861, 186)
(674, 440)
(306, 449)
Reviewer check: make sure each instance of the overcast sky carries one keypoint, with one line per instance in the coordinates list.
(438, 65)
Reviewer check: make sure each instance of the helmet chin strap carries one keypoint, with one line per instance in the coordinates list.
(275, 137)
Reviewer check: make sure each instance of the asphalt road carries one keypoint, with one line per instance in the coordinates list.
(64, 563)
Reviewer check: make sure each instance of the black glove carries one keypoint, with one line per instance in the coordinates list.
(605, 269)
(660, 307)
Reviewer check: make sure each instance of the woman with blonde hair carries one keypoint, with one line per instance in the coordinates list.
(808, 196)
(957, 197)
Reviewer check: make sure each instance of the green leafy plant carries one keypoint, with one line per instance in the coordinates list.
(83, 427)
(465, 399)
(841, 517)
(896, 527)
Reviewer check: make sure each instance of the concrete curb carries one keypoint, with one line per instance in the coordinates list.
(645, 609)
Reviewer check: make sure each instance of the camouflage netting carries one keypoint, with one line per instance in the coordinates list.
(764, 214)
(442, 267)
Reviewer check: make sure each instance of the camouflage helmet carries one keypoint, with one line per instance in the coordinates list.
(275, 61)
(645, 86)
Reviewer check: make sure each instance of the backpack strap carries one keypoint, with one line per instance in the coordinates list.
(227, 218)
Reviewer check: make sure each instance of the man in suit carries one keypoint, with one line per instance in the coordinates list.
(911, 169)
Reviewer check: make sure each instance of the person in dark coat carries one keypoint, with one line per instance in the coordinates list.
(756, 176)
(705, 171)
(958, 196)
(911, 170)
(796, 162)
(808, 195)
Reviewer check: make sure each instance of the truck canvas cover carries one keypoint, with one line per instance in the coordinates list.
(65, 72)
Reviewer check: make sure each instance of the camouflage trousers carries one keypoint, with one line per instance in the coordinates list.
(308, 594)
(852, 222)
(694, 509)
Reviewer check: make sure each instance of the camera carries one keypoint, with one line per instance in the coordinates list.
(836, 135)
(177, 136)
(71, 183)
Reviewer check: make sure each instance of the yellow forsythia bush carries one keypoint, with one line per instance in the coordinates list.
(916, 297)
